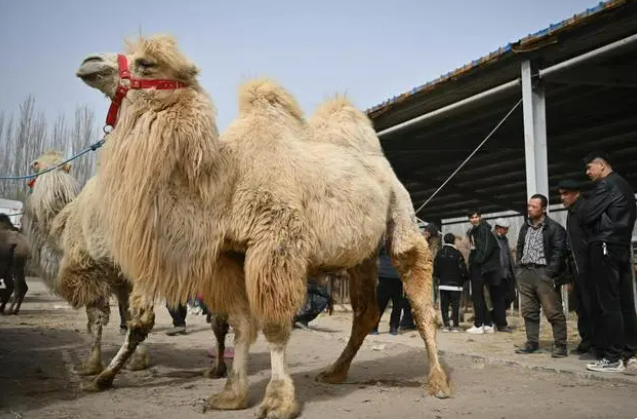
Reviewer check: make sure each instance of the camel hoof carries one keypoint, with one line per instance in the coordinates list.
(441, 395)
(226, 400)
(331, 377)
(218, 371)
(139, 362)
(278, 409)
(90, 369)
(97, 385)
(279, 401)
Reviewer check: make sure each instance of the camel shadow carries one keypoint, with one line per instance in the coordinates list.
(394, 371)
(34, 366)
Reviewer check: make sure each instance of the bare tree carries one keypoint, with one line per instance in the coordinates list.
(23, 141)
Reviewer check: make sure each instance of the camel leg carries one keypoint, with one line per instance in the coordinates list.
(415, 268)
(98, 313)
(220, 328)
(140, 360)
(362, 285)
(235, 393)
(141, 324)
(123, 295)
(276, 272)
(280, 399)
(21, 289)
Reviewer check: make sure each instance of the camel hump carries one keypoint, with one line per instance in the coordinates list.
(264, 93)
(341, 108)
(338, 121)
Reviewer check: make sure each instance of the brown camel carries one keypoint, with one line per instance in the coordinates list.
(9, 236)
(244, 219)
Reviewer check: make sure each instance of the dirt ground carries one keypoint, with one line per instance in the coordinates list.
(40, 349)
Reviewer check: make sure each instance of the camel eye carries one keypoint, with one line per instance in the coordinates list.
(145, 64)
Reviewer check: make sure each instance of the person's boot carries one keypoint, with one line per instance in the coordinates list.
(528, 348)
(393, 331)
(177, 330)
(582, 348)
(559, 351)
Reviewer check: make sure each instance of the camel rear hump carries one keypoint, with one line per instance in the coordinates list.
(340, 122)
(265, 94)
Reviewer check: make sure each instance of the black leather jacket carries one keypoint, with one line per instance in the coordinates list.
(609, 211)
(554, 236)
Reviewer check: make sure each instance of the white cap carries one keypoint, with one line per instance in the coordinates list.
(502, 222)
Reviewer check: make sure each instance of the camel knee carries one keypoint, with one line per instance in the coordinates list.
(277, 334)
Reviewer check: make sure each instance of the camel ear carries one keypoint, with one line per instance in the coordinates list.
(189, 71)
(67, 167)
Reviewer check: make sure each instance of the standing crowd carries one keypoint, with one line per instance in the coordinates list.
(591, 256)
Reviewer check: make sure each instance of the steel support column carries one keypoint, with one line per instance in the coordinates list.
(535, 150)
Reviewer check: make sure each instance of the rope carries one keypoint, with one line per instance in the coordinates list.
(92, 147)
(470, 155)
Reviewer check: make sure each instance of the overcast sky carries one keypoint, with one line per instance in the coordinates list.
(370, 49)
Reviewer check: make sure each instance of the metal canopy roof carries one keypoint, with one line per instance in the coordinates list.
(591, 106)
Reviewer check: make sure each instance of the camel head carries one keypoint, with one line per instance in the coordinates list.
(49, 159)
(153, 58)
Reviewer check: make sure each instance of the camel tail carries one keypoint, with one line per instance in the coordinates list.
(265, 94)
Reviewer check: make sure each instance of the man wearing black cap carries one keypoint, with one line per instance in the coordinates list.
(577, 261)
(609, 214)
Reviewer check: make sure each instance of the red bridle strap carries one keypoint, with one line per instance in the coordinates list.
(122, 90)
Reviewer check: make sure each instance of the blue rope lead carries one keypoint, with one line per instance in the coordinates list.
(92, 147)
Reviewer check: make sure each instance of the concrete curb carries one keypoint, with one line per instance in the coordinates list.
(612, 378)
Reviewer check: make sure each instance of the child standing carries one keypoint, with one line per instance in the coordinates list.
(450, 270)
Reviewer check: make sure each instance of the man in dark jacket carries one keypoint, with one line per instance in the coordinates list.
(608, 216)
(450, 271)
(577, 261)
(389, 287)
(541, 251)
(484, 269)
(508, 286)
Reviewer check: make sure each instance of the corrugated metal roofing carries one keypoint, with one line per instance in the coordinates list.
(500, 53)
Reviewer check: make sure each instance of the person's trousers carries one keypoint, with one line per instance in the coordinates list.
(612, 301)
(498, 295)
(481, 312)
(178, 313)
(452, 298)
(390, 289)
(583, 309)
(537, 289)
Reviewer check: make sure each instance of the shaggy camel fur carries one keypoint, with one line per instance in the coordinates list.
(245, 219)
(71, 251)
(9, 236)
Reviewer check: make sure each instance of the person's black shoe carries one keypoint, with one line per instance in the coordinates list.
(582, 348)
(559, 351)
(505, 329)
(588, 356)
(528, 348)
(393, 331)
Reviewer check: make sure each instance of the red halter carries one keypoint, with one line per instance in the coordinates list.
(120, 93)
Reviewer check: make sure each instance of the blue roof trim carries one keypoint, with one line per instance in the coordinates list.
(500, 52)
